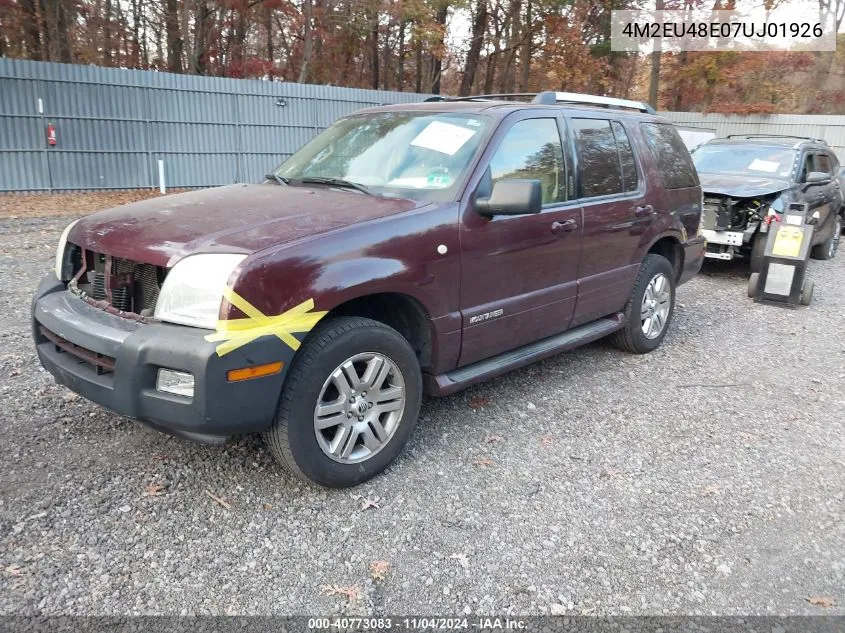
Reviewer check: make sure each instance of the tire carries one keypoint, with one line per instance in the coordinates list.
(828, 248)
(753, 281)
(317, 374)
(758, 249)
(807, 293)
(631, 338)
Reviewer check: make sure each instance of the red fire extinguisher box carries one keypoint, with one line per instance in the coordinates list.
(51, 134)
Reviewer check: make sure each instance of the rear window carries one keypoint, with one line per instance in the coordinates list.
(671, 155)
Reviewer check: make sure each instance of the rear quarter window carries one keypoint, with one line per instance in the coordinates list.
(671, 155)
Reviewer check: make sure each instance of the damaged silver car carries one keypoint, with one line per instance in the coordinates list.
(749, 180)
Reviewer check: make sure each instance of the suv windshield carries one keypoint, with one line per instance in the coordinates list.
(747, 160)
(409, 154)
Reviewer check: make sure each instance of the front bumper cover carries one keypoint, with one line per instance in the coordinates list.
(217, 409)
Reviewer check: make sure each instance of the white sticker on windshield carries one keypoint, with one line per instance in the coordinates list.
(443, 137)
(764, 165)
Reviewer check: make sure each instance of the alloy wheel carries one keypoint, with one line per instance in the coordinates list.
(359, 407)
(655, 306)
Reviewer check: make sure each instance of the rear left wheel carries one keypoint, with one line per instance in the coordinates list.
(649, 309)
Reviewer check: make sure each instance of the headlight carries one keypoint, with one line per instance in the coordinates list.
(193, 289)
(60, 250)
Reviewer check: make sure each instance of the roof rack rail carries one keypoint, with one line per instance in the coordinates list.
(550, 97)
(491, 97)
(802, 138)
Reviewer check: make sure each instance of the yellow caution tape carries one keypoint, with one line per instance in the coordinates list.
(238, 332)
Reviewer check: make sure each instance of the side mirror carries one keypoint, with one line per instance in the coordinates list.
(512, 197)
(818, 178)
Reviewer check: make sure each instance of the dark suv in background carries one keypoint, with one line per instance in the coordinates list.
(405, 249)
(749, 181)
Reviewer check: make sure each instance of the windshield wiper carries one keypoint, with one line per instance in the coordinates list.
(277, 179)
(337, 182)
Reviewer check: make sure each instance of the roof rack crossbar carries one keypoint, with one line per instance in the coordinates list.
(550, 97)
(803, 138)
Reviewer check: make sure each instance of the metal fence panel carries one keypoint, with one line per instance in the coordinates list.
(114, 125)
(829, 127)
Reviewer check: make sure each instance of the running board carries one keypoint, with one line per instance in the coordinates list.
(463, 377)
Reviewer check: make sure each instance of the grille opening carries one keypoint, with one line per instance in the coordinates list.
(128, 286)
(102, 363)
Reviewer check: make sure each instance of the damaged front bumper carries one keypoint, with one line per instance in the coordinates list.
(116, 362)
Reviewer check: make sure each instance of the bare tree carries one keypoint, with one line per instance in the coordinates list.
(479, 27)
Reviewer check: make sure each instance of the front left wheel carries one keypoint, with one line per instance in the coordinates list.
(349, 404)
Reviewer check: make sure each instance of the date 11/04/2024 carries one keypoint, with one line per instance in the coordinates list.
(415, 624)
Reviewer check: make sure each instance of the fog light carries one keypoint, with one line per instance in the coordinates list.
(179, 383)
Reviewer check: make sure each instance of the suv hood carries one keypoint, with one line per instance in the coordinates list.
(232, 219)
(740, 186)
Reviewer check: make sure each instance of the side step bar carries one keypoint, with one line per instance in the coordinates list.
(463, 377)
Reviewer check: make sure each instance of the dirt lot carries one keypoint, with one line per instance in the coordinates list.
(707, 477)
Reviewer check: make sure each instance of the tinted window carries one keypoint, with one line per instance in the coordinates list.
(823, 163)
(531, 150)
(671, 155)
(630, 178)
(598, 157)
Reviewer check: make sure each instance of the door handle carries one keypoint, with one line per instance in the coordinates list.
(566, 226)
(644, 210)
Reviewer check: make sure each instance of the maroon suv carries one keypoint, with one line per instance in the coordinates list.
(406, 249)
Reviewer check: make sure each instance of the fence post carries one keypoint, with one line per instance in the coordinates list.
(238, 140)
(45, 156)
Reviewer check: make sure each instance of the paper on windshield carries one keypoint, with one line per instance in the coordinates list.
(764, 165)
(443, 137)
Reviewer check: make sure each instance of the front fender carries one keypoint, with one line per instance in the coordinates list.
(414, 254)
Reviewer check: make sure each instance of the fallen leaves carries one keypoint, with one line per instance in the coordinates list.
(611, 473)
(482, 462)
(711, 490)
(478, 402)
(547, 440)
(367, 502)
(219, 500)
(494, 439)
(14, 569)
(379, 569)
(153, 490)
(351, 593)
(462, 559)
(69, 204)
(820, 601)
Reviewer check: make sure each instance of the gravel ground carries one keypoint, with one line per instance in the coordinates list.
(706, 477)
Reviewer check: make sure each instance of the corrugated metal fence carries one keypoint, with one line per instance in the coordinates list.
(114, 125)
(829, 127)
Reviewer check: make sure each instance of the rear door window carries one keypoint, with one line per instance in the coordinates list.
(598, 158)
(671, 155)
